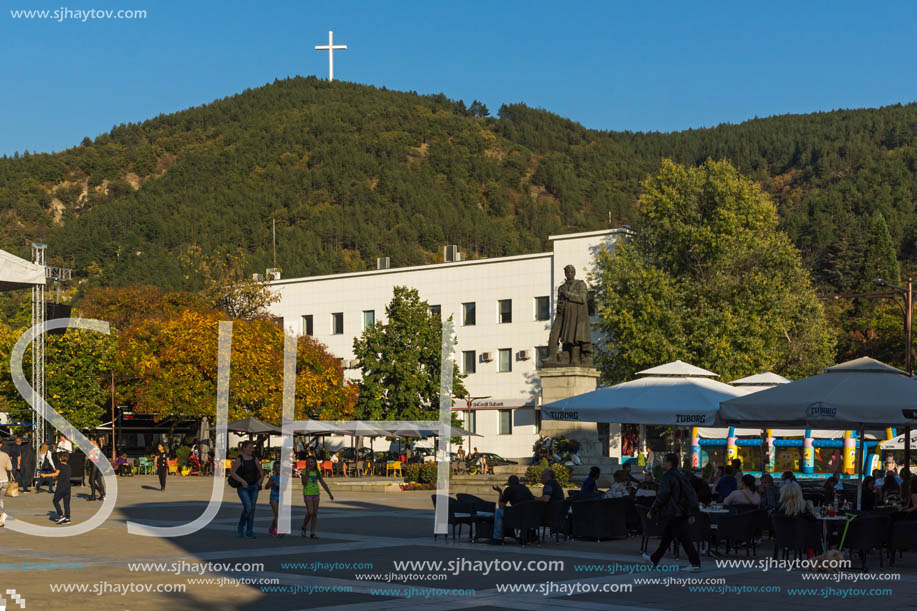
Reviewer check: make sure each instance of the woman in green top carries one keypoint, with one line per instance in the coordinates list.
(311, 478)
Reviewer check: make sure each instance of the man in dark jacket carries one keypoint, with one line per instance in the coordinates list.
(676, 506)
(27, 470)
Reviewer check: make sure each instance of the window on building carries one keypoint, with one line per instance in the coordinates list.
(506, 422)
(542, 308)
(471, 421)
(307, 328)
(506, 359)
(468, 314)
(337, 323)
(537, 421)
(369, 318)
(436, 310)
(469, 361)
(505, 311)
(541, 353)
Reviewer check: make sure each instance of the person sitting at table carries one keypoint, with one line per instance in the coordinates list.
(715, 476)
(838, 484)
(788, 476)
(628, 476)
(746, 493)
(737, 469)
(701, 488)
(727, 483)
(619, 488)
(792, 504)
(335, 458)
(869, 496)
(769, 493)
(460, 455)
(514, 494)
(891, 490)
(828, 493)
(552, 492)
(909, 498)
(589, 484)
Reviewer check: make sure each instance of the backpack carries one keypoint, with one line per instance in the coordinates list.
(683, 498)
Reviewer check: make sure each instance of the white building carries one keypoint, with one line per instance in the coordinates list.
(502, 308)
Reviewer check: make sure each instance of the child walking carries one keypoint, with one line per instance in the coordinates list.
(311, 478)
(62, 493)
(274, 484)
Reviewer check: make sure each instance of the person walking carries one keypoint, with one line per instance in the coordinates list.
(27, 472)
(62, 493)
(15, 455)
(47, 464)
(311, 478)
(161, 461)
(6, 471)
(676, 506)
(246, 470)
(96, 483)
(274, 484)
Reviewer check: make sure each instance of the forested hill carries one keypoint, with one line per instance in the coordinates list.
(351, 172)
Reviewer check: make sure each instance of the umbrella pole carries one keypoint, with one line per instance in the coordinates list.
(907, 449)
(860, 449)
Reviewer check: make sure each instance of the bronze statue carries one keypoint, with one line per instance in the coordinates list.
(571, 325)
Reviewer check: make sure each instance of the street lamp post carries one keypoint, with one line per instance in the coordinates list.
(908, 311)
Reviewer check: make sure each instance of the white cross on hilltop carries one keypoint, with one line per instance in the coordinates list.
(330, 47)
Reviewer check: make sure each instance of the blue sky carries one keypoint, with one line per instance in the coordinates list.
(638, 66)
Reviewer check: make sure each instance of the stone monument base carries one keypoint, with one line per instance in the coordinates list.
(560, 383)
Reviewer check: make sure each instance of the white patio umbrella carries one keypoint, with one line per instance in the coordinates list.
(863, 393)
(897, 443)
(859, 394)
(675, 394)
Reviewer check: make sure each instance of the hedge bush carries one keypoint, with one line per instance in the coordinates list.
(423, 473)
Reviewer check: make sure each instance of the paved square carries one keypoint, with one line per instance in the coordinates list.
(374, 530)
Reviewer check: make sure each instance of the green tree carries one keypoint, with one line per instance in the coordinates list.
(400, 362)
(478, 109)
(77, 369)
(880, 260)
(709, 278)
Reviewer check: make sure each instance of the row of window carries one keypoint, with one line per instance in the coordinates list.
(505, 417)
(542, 311)
(470, 359)
(469, 315)
(337, 322)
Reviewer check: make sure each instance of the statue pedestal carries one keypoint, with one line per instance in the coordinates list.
(559, 383)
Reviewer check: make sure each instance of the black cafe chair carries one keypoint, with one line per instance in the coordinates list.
(868, 532)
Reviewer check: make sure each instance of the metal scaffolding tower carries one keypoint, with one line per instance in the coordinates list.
(39, 429)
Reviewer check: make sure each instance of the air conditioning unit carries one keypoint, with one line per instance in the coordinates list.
(257, 277)
(273, 273)
(450, 253)
(525, 355)
(487, 356)
(349, 364)
(383, 263)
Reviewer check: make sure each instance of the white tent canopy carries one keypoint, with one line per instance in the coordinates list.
(16, 273)
(862, 393)
(767, 378)
(675, 394)
(750, 384)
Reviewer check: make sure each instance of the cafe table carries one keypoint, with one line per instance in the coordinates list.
(825, 519)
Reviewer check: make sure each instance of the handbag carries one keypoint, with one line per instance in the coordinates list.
(13, 489)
